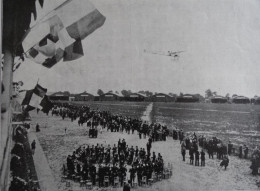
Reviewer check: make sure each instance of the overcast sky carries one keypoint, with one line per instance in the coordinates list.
(221, 40)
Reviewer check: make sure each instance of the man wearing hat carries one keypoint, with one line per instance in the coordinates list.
(122, 173)
(100, 175)
(139, 174)
(132, 171)
(114, 173)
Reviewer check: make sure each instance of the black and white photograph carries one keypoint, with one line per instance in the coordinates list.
(130, 95)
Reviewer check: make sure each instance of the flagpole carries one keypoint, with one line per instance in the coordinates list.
(6, 118)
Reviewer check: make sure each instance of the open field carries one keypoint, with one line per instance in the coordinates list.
(238, 122)
(57, 146)
(131, 109)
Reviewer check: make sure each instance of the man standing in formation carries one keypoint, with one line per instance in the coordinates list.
(197, 158)
(183, 150)
(202, 157)
(191, 143)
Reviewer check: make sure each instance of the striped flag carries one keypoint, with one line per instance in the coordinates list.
(59, 37)
(36, 98)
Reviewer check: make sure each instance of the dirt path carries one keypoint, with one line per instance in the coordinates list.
(147, 113)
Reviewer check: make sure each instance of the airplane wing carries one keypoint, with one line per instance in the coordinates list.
(169, 53)
(158, 53)
(177, 52)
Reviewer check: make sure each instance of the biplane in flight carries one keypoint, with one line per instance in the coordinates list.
(169, 53)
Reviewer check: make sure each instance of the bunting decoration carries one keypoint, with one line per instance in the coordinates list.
(36, 98)
(59, 36)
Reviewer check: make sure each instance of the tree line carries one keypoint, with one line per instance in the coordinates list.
(209, 93)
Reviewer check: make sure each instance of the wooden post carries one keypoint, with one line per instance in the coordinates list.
(6, 125)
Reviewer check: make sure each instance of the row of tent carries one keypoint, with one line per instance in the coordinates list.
(85, 96)
(236, 99)
(159, 97)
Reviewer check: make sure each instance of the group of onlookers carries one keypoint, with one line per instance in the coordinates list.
(113, 123)
(214, 146)
(105, 164)
(158, 132)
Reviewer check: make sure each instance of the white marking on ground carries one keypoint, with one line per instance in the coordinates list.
(117, 104)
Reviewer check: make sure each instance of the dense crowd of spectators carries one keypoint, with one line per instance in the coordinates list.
(105, 164)
(158, 132)
(113, 123)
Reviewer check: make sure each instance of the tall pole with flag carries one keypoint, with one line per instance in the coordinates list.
(48, 42)
(6, 131)
(16, 20)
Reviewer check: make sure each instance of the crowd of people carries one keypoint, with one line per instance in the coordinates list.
(90, 162)
(190, 143)
(22, 170)
(156, 132)
(104, 164)
(113, 123)
(213, 146)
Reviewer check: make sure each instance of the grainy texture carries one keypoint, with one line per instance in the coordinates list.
(57, 146)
